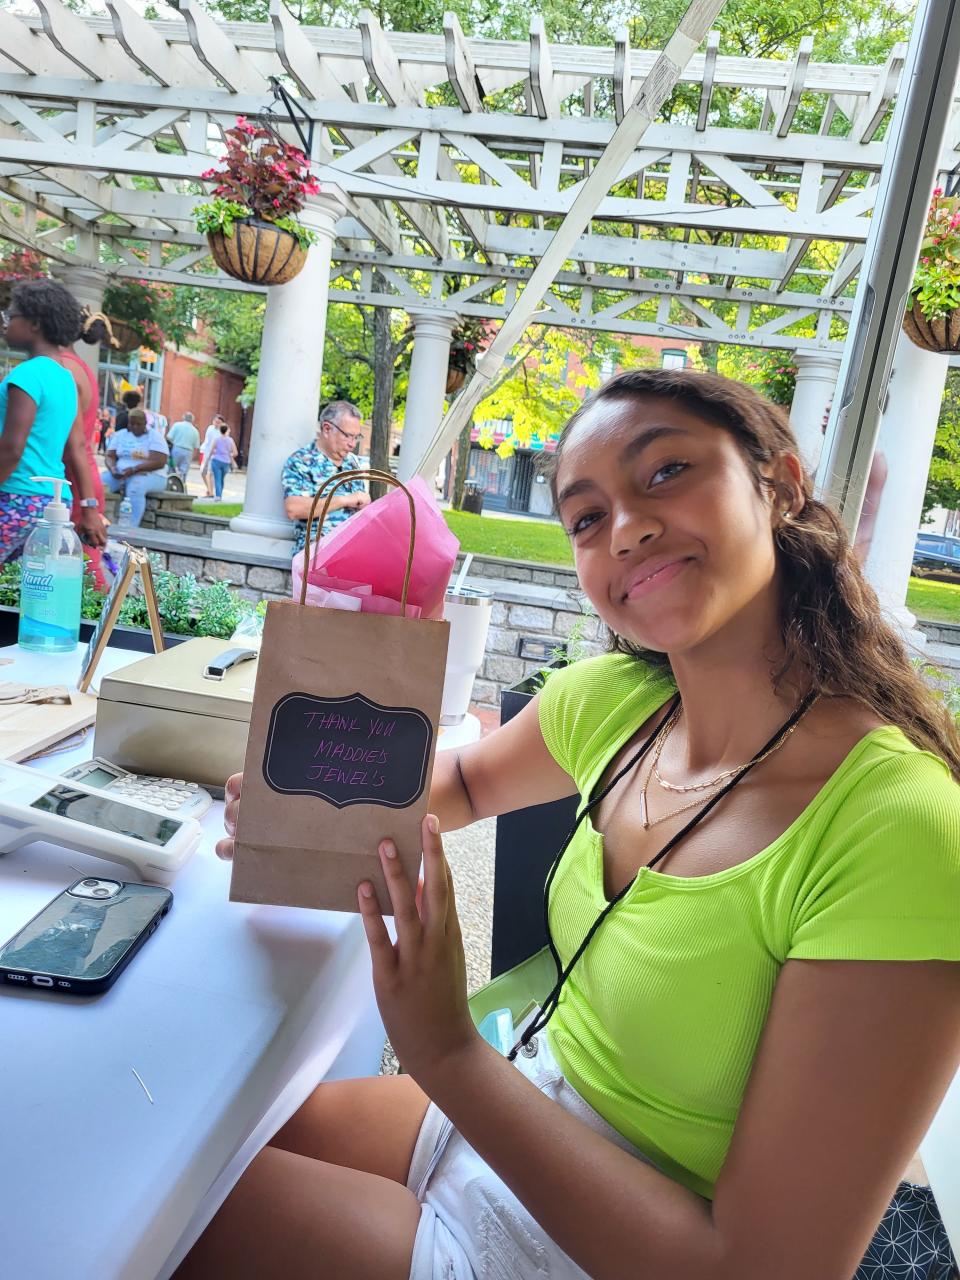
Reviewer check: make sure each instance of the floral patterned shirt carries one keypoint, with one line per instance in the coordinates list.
(303, 474)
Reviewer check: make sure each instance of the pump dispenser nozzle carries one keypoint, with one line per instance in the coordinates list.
(55, 511)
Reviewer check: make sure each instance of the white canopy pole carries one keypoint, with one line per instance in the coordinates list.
(912, 162)
(655, 90)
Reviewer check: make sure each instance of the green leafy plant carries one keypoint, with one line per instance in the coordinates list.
(186, 607)
(936, 281)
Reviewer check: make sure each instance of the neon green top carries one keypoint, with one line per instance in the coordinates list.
(659, 1022)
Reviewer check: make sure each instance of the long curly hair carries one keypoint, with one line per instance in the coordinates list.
(835, 638)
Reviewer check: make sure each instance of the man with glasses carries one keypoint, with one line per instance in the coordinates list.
(338, 434)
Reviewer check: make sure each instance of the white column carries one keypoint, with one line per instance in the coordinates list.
(87, 285)
(288, 387)
(817, 373)
(427, 390)
(907, 432)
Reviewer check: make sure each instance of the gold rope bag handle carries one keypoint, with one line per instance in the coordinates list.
(334, 483)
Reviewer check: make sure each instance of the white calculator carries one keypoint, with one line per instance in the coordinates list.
(174, 796)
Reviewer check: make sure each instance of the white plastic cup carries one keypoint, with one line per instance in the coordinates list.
(468, 613)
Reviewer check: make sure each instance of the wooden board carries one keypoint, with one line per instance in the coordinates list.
(26, 728)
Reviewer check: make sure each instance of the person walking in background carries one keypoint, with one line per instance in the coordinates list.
(184, 441)
(209, 439)
(136, 461)
(95, 329)
(222, 455)
(338, 434)
(38, 412)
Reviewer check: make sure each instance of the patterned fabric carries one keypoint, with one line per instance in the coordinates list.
(911, 1242)
(303, 474)
(19, 513)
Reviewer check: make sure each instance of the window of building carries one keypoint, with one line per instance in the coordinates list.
(671, 358)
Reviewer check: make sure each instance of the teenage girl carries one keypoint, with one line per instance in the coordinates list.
(756, 921)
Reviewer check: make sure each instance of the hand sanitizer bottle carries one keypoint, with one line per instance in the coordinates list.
(52, 580)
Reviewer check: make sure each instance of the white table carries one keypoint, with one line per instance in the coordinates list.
(231, 1014)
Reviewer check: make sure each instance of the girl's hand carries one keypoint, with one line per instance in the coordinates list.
(230, 812)
(421, 980)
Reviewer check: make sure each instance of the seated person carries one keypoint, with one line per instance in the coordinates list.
(136, 464)
(338, 432)
(754, 924)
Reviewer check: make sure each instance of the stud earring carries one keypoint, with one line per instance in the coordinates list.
(786, 514)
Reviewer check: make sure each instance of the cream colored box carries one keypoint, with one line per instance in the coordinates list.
(162, 717)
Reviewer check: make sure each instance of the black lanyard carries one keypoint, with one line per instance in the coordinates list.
(549, 1006)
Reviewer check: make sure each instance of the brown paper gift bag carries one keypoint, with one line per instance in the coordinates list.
(343, 733)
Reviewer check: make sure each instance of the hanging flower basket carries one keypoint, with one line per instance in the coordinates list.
(124, 335)
(932, 319)
(258, 252)
(250, 219)
(940, 334)
(455, 379)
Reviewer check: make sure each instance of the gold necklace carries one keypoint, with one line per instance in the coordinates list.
(662, 735)
(721, 777)
(645, 819)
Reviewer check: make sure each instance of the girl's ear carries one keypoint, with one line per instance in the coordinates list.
(786, 486)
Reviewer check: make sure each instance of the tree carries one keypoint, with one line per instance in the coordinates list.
(943, 482)
(547, 379)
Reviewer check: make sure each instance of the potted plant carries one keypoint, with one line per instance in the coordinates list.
(932, 319)
(187, 608)
(142, 314)
(16, 265)
(262, 183)
(464, 345)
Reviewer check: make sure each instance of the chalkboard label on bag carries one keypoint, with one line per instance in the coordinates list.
(347, 750)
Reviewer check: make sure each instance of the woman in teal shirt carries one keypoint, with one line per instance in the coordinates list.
(758, 916)
(38, 414)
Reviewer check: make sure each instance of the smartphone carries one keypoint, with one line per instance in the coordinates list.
(83, 940)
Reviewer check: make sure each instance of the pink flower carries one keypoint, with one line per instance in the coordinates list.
(937, 192)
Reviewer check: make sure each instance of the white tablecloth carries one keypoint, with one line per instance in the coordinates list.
(231, 1014)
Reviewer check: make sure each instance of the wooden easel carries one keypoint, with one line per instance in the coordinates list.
(132, 563)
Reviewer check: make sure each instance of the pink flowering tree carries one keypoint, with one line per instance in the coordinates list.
(936, 282)
(259, 178)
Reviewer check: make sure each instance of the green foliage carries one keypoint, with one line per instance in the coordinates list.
(943, 481)
(771, 372)
(186, 607)
(547, 381)
(155, 312)
(221, 215)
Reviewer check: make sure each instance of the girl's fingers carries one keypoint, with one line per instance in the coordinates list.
(435, 880)
(405, 914)
(378, 940)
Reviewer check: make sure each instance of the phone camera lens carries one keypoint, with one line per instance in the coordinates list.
(101, 893)
(90, 883)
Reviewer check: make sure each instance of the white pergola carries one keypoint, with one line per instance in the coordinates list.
(447, 162)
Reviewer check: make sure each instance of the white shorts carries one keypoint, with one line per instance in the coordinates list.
(472, 1226)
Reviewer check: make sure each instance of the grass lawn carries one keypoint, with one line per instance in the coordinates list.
(934, 601)
(511, 539)
(226, 509)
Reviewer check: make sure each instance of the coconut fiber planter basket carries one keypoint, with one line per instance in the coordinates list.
(258, 253)
(941, 335)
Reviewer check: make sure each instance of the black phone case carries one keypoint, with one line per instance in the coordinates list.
(86, 986)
